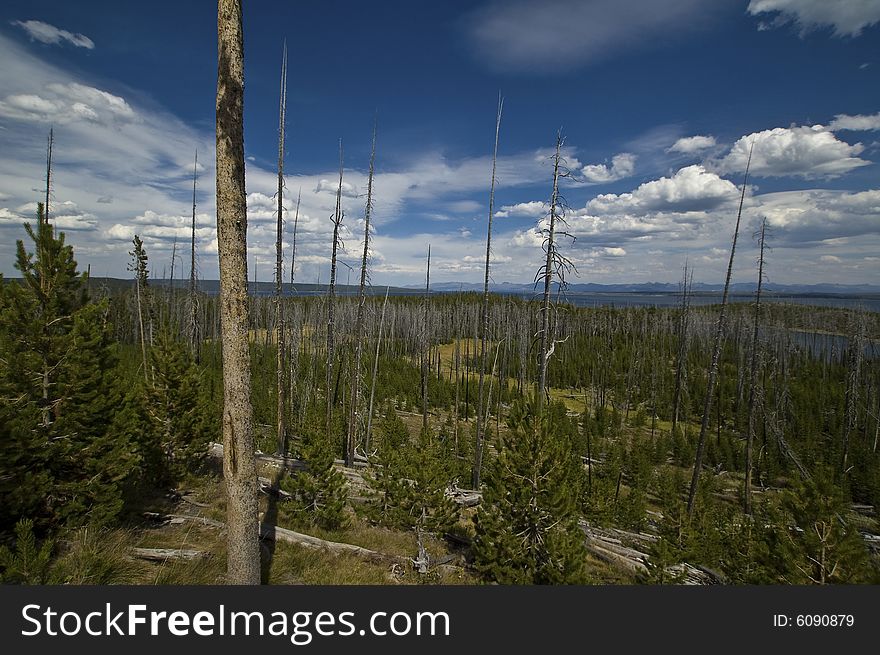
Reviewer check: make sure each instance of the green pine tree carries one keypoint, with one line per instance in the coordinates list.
(60, 384)
(821, 547)
(410, 480)
(320, 492)
(527, 525)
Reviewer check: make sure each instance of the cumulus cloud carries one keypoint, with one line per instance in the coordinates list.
(61, 104)
(691, 189)
(692, 144)
(349, 190)
(857, 123)
(808, 152)
(532, 209)
(49, 34)
(844, 17)
(815, 216)
(622, 165)
(558, 35)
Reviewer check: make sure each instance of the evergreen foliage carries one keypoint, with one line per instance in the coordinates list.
(28, 563)
(169, 417)
(410, 480)
(59, 384)
(320, 492)
(527, 525)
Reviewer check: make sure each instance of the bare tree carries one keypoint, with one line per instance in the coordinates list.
(280, 368)
(716, 351)
(753, 377)
(293, 244)
(239, 465)
(50, 142)
(336, 219)
(426, 343)
(375, 373)
(556, 266)
(681, 356)
(484, 323)
(354, 418)
(194, 339)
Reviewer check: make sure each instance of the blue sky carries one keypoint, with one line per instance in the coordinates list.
(658, 102)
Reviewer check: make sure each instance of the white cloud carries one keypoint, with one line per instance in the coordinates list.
(61, 104)
(857, 123)
(558, 35)
(614, 252)
(845, 17)
(532, 209)
(622, 165)
(808, 152)
(829, 259)
(691, 189)
(349, 190)
(692, 144)
(816, 215)
(46, 33)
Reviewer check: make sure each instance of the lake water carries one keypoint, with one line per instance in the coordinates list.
(672, 299)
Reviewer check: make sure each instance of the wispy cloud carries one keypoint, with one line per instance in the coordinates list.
(49, 34)
(857, 123)
(559, 35)
(844, 17)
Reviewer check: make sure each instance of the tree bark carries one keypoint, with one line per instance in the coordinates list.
(239, 467)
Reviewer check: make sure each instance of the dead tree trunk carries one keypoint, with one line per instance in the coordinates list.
(369, 433)
(681, 357)
(354, 415)
(280, 368)
(484, 322)
(239, 466)
(426, 344)
(194, 337)
(716, 352)
(554, 263)
(753, 377)
(331, 296)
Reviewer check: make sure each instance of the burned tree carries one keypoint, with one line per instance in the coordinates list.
(354, 418)
(484, 323)
(239, 465)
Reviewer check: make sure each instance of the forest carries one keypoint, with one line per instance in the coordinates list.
(154, 433)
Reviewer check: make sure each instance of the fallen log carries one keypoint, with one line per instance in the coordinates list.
(275, 533)
(164, 554)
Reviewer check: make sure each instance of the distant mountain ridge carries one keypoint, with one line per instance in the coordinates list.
(212, 287)
(668, 287)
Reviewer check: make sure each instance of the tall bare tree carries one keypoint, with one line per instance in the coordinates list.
(426, 343)
(681, 356)
(194, 339)
(354, 418)
(484, 323)
(375, 375)
(280, 368)
(50, 142)
(555, 267)
(336, 219)
(716, 351)
(753, 377)
(239, 464)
